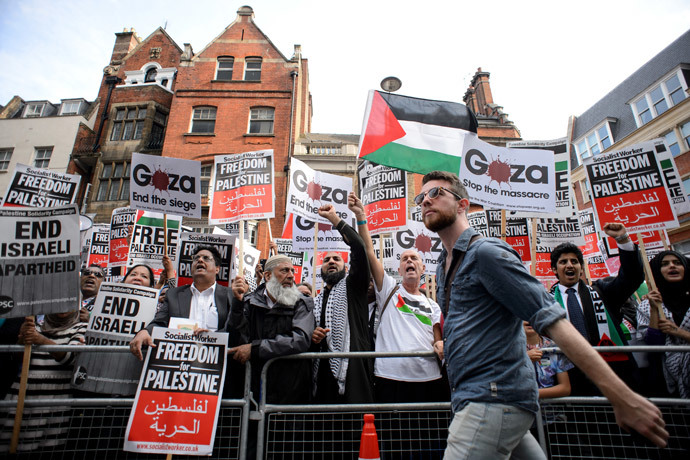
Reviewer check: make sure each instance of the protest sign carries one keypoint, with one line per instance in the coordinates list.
(39, 261)
(511, 179)
(40, 188)
(242, 187)
(417, 237)
(149, 238)
(187, 244)
(285, 248)
(389, 261)
(121, 225)
(543, 271)
(329, 239)
(517, 233)
(552, 232)
(99, 245)
(477, 221)
(164, 184)
(559, 147)
(674, 184)
(383, 191)
(310, 189)
(597, 266)
(416, 213)
(589, 232)
(119, 312)
(628, 187)
(178, 399)
(250, 258)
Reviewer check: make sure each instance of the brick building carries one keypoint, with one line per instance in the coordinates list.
(240, 94)
(651, 103)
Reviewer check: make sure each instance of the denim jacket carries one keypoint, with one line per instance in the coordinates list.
(484, 341)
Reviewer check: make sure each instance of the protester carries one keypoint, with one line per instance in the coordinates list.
(582, 303)
(669, 269)
(408, 321)
(204, 301)
(49, 377)
(341, 312)
(551, 368)
(10, 363)
(89, 284)
(305, 288)
(275, 320)
(139, 275)
(487, 293)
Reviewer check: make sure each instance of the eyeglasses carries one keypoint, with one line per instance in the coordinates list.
(202, 257)
(95, 273)
(433, 193)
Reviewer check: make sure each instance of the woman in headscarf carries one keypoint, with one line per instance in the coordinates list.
(49, 377)
(670, 271)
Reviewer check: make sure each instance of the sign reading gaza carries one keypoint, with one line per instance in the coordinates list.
(167, 185)
(512, 179)
(40, 188)
(39, 260)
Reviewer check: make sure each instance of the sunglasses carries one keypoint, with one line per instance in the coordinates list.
(433, 193)
(95, 273)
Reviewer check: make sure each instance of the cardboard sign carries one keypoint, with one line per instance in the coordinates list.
(148, 238)
(597, 267)
(285, 248)
(40, 188)
(589, 232)
(517, 233)
(39, 261)
(188, 243)
(242, 187)
(628, 187)
(511, 179)
(310, 189)
(121, 226)
(543, 271)
(329, 239)
(383, 191)
(119, 312)
(422, 240)
(99, 245)
(389, 261)
(251, 258)
(672, 178)
(164, 184)
(552, 232)
(178, 398)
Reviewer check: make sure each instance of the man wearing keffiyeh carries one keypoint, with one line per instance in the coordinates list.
(342, 315)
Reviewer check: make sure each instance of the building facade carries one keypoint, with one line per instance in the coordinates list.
(651, 103)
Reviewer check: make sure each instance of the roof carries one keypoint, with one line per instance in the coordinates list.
(615, 103)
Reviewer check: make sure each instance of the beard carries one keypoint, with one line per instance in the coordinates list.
(284, 295)
(440, 220)
(331, 279)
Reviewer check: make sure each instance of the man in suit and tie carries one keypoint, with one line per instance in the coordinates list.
(205, 302)
(595, 310)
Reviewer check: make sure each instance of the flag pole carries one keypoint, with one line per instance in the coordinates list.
(165, 233)
(663, 239)
(270, 236)
(240, 268)
(533, 247)
(648, 271)
(313, 265)
(503, 224)
(23, 381)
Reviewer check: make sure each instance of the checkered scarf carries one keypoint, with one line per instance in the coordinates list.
(338, 339)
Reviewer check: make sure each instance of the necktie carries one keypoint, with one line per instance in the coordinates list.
(575, 312)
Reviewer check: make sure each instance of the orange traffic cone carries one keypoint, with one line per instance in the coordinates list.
(369, 444)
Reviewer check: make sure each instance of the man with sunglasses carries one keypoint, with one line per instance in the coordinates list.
(89, 284)
(486, 293)
(204, 302)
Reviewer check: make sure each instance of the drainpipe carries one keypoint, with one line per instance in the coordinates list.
(294, 75)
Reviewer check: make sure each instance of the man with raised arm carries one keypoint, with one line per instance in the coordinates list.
(407, 321)
(488, 293)
(341, 311)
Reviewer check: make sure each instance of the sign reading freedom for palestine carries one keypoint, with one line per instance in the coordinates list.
(39, 260)
(40, 188)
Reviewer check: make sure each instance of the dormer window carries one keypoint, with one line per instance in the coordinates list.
(151, 75)
(660, 97)
(595, 141)
(70, 107)
(34, 110)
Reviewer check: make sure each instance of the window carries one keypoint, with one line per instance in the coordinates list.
(584, 189)
(594, 142)
(252, 69)
(324, 150)
(34, 110)
(659, 98)
(686, 186)
(204, 120)
(70, 108)
(261, 120)
(157, 130)
(114, 182)
(685, 132)
(224, 69)
(672, 143)
(5, 156)
(151, 75)
(42, 157)
(128, 123)
(205, 178)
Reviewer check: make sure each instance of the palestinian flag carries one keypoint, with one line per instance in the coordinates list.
(417, 135)
(406, 310)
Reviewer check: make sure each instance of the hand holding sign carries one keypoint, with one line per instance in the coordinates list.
(239, 287)
(142, 338)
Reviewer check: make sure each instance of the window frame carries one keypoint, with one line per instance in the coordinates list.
(224, 59)
(252, 60)
(5, 157)
(652, 104)
(206, 178)
(108, 176)
(589, 149)
(43, 150)
(261, 121)
(128, 128)
(31, 113)
(200, 120)
(64, 103)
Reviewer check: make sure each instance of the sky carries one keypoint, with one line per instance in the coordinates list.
(548, 60)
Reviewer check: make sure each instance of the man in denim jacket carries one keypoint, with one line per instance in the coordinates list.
(493, 390)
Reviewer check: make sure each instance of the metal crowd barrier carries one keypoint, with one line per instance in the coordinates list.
(574, 428)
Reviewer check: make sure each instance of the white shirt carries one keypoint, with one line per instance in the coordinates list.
(203, 308)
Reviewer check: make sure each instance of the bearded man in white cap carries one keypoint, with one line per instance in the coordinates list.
(274, 320)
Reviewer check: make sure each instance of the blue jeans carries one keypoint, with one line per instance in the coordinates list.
(488, 431)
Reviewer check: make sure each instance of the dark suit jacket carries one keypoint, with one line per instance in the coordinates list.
(178, 303)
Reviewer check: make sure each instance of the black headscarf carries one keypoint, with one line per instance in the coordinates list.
(676, 296)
